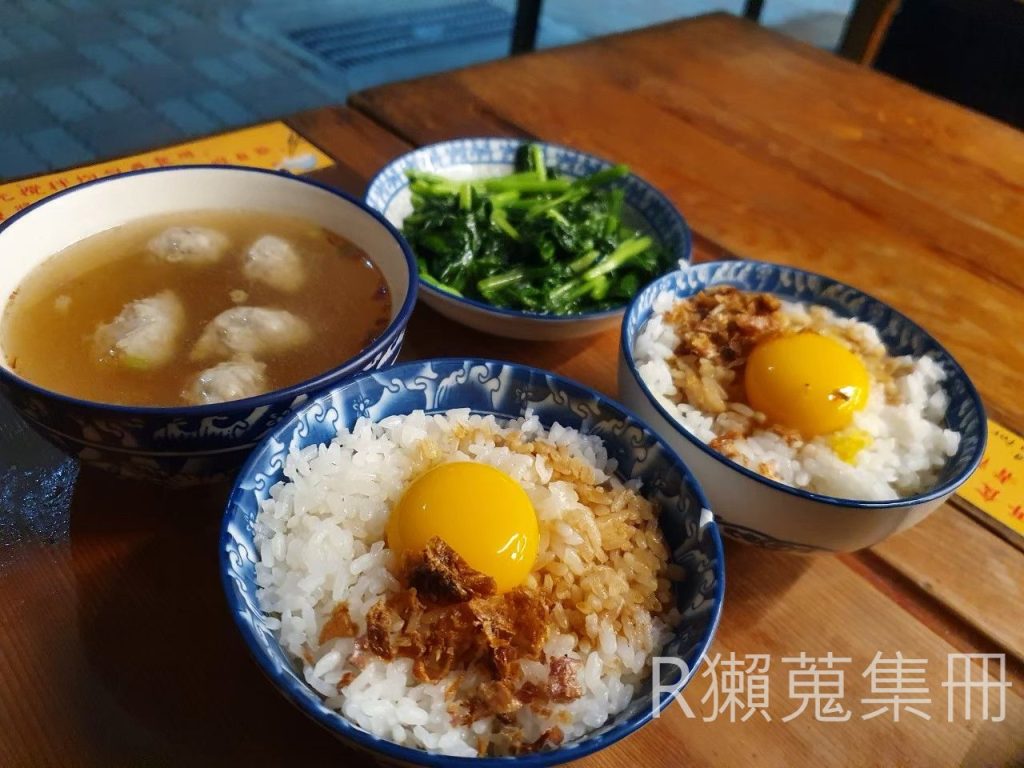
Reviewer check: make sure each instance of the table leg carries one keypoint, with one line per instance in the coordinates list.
(524, 34)
(752, 9)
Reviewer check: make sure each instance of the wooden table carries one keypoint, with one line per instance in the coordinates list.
(116, 648)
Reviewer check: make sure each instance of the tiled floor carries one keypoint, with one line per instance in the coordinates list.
(86, 79)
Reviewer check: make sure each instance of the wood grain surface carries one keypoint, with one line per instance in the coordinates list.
(778, 151)
(116, 648)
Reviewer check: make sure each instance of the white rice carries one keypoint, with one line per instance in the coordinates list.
(908, 448)
(320, 541)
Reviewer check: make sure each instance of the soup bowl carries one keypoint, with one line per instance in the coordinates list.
(188, 444)
(646, 209)
(759, 510)
(507, 391)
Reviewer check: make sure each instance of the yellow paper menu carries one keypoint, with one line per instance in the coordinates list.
(997, 487)
(271, 145)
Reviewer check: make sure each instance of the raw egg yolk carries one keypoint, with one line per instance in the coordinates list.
(807, 382)
(479, 511)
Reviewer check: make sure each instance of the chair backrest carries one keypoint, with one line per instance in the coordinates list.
(866, 29)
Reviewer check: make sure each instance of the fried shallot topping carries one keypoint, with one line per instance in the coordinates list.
(562, 685)
(339, 624)
(450, 641)
(441, 576)
(515, 626)
(378, 629)
(493, 633)
(563, 681)
(447, 618)
(492, 697)
(717, 329)
(552, 736)
(723, 324)
(399, 608)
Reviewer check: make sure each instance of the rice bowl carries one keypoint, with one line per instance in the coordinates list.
(895, 445)
(757, 507)
(321, 538)
(506, 392)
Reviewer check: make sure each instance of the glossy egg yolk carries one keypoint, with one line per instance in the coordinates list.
(806, 382)
(479, 511)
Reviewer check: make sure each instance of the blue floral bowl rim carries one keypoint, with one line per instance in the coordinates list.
(687, 245)
(315, 709)
(393, 329)
(950, 485)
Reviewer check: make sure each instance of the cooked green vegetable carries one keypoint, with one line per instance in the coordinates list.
(530, 240)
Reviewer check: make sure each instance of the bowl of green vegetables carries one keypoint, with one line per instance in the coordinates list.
(529, 240)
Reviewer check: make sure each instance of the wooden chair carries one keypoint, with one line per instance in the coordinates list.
(866, 26)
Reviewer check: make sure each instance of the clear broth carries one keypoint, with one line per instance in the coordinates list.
(345, 301)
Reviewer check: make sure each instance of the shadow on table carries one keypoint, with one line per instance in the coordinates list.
(979, 752)
(156, 633)
(757, 578)
(433, 335)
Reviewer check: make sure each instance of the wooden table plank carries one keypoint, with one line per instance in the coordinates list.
(928, 146)
(941, 556)
(358, 145)
(762, 185)
(116, 647)
(849, 155)
(768, 597)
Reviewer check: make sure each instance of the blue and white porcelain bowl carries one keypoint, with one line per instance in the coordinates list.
(476, 158)
(188, 445)
(755, 509)
(507, 391)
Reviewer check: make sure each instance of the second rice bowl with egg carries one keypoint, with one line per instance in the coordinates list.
(798, 393)
(816, 416)
(473, 585)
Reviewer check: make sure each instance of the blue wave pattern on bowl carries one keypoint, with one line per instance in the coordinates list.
(900, 335)
(504, 390)
(211, 446)
(751, 536)
(658, 215)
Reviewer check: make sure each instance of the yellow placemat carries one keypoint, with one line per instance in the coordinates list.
(997, 487)
(271, 145)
